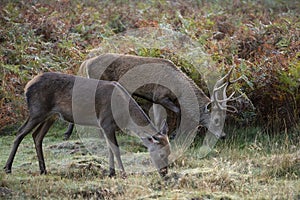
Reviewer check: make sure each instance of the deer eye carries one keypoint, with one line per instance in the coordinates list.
(207, 108)
(156, 138)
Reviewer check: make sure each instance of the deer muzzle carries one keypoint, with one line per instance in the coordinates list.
(163, 171)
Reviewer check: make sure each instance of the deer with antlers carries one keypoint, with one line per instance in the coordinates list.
(113, 67)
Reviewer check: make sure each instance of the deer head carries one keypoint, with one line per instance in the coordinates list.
(218, 105)
(159, 148)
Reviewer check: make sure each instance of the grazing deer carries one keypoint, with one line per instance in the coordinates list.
(112, 67)
(88, 102)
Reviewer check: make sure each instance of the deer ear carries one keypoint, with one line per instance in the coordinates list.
(164, 127)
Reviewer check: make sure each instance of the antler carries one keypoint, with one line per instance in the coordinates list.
(219, 86)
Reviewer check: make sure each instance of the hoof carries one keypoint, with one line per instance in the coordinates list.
(112, 172)
(66, 137)
(123, 175)
(7, 170)
(111, 175)
(163, 172)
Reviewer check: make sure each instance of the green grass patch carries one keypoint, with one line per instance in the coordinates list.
(237, 168)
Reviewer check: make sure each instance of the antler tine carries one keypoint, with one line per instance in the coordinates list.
(228, 108)
(224, 92)
(216, 89)
(235, 98)
(226, 98)
(230, 98)
(221, 103)
(218, 104)
(236, 80)
(215, 97)
(224, 77)
(229, 73)
(220, 87)
(231, 109)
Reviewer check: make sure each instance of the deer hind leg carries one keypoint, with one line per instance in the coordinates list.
(114, 151)
(167, 103)
(68, 133)
(28, 126)
(112, 171)
(38, 137)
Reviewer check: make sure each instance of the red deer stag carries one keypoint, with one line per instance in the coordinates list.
(113, 67)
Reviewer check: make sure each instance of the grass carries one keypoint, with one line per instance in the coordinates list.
(238, 168)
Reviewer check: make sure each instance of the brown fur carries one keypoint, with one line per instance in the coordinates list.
(51, 94)
(113, 66)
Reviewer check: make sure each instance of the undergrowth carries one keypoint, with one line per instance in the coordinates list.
(260, 38)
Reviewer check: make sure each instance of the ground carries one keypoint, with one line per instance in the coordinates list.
(261, 167)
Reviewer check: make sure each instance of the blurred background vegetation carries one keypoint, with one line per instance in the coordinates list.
(261, 38)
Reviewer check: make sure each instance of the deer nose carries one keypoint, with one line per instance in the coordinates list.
(222, 137)
(163, 171)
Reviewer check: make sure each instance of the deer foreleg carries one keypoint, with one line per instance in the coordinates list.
(112, 171)
(114, 150)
